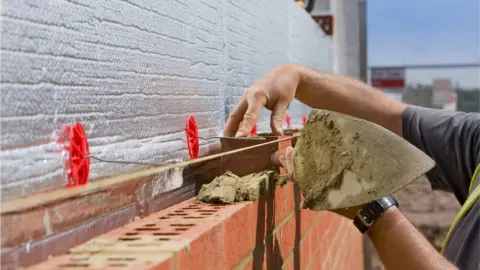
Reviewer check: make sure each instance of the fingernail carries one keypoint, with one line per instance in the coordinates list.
(280, 130)
(240, 134)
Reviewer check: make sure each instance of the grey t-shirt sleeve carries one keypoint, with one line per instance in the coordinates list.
(452, 139)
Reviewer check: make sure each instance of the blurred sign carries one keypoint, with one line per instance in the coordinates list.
(441, 92)
(389, 77)
(452, 104)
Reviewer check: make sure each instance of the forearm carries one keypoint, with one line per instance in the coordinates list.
(349, 96)
(401, 246)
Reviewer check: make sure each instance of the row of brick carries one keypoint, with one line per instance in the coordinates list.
(248, 235)
(272, 233)
(30, 236)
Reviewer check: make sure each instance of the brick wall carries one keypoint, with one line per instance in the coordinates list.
(271, 233)
(132, 72)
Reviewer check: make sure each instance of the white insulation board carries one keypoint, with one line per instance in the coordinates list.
(132, 71)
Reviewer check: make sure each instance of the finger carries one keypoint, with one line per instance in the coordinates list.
(278, 115)
(276, 157)
(235, 118)
(289, 153)
(283, 161)
(251, 116)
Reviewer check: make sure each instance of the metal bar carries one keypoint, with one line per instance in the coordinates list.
(125, 161)
(235, 138)
(144, 163)
(432, 66)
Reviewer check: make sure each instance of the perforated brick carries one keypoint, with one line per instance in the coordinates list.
(107, 261)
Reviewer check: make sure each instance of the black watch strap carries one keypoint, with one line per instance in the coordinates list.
(367, 215)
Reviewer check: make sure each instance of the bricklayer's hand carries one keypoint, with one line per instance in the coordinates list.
(273, 91)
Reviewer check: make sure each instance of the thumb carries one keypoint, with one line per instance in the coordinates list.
(289, 153)
(278, 115)
(286, 160)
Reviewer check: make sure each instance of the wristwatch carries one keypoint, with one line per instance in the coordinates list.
(367, 215)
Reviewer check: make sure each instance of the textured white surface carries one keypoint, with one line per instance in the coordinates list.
(132, 71)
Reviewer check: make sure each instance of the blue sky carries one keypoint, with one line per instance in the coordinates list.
(424, 32)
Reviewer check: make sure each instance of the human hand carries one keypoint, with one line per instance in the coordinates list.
(273, 91)
(286, 160)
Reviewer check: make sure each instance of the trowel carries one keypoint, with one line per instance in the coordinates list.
(341, 161)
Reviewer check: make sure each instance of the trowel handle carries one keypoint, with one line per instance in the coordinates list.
(276, 157)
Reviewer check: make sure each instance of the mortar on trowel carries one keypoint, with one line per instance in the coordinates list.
(341, 161)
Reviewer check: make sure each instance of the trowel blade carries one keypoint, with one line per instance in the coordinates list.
(341, 161)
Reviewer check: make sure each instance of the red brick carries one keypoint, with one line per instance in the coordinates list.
(325, 243)
(307, 217)
(272, 254)
(266, 256)
(325, 247)
(284, 202)
(243, 230)
(287, 235)
(355, 258)
(107, 261)
(321, 226)
(342, 245)
(249, 266)
(305, 250)
(342, 259)
(166, 265)
(338, 240)
(289, 265)
(318, 232)
(281, 247)
(205, 252)
(215, 247)
(318, 258)
(355, 255)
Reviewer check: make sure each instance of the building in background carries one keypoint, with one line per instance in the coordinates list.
(441, 91)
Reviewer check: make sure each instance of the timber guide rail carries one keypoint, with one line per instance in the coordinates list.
(46, 198)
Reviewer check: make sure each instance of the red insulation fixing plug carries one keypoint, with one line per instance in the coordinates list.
(75, 146)
(287, 120)
(253, 132)
(304, 119)
(191, 130)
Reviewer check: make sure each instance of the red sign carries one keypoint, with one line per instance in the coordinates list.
(392, 77)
